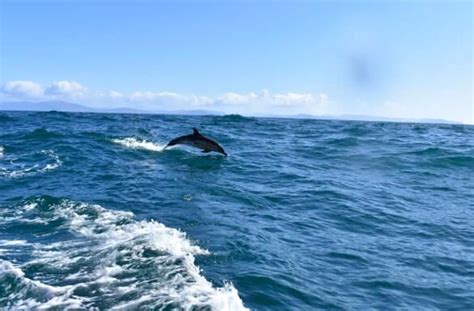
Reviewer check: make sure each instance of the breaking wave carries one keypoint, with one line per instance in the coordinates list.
(111, 261)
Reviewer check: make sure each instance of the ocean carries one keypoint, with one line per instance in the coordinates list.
(302, 214)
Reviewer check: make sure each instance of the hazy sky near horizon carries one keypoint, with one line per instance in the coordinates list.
(408, 59)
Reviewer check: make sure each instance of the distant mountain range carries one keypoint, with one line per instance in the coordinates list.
(73, 107)
(43, 106)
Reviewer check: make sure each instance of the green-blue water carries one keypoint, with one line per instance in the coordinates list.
(302, 215)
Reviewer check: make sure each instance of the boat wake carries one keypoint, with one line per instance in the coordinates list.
(111, 261)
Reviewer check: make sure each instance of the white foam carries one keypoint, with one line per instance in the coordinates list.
(40, 295)
(12, 242)
(110, 250)
(134, 143)
(21, 170)
(1, 151)
(51, 166)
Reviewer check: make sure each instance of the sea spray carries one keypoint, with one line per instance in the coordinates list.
(136, 143)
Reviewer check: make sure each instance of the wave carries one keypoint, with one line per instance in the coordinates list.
(41, 133)
(6, 118)
(134, 143)
(443, 157)
(343, 142)
(459, 160)
(233, 117)
(40, 294)
(143, 131)
(111, 261)
(43, 161)
(1, 151)
(430, 151)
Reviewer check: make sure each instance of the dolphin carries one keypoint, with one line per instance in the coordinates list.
(197, 140)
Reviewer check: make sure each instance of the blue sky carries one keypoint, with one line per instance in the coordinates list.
(409, 59)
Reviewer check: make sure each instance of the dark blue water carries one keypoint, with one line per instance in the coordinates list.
(303, 214)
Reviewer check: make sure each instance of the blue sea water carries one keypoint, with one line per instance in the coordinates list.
(302, 215)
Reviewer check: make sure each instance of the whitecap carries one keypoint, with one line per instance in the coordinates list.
(134, 143)
(51, 166)
(12, 242)
(18, 168)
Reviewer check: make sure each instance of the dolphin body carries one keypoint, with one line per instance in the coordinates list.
(199, 141)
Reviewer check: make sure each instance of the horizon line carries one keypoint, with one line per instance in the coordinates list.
(80, 108)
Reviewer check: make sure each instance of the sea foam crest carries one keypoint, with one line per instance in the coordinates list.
(134, 143)
(40, 294)
(111, 258)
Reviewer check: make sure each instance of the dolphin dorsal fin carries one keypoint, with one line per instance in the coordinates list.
(196, 132)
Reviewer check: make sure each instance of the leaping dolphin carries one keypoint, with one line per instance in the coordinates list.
(197, 140)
